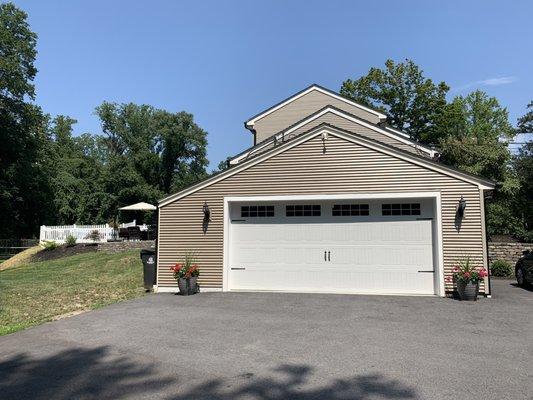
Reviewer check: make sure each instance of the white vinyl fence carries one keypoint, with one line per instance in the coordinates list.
(81, 232)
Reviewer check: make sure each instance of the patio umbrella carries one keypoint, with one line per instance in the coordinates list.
(142, 206)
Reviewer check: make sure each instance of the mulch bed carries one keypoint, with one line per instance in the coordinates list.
(63, 251)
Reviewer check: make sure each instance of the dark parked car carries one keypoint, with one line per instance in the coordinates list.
(524, 269)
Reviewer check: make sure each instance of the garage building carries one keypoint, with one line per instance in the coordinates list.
(328, 199)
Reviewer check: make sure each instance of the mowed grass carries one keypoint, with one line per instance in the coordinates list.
(33, 293)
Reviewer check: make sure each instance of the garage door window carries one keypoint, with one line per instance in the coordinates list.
(400, 209)
(303, 210)
(350, 210)
(257, 211)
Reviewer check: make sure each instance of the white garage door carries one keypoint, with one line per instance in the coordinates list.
(274, 249)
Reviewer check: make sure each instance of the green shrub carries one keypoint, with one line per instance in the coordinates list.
(49, 245)
(70, 241)
(94, 236)
(501, 268)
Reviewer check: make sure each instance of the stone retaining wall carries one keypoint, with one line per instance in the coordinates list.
(507, 251)
(117, 247)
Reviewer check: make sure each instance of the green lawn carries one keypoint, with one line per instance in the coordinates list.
(34, 293)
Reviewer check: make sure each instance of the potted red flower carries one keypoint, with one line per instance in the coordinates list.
(192, 275)
(467, 277)
(186, 274)
(179, 271)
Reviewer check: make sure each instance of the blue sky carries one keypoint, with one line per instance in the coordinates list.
(225, 61)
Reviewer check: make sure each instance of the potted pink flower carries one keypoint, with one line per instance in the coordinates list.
(467, 278)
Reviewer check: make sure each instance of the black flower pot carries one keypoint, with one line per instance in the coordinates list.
(193, 285)
(468, 291)
(183, 286)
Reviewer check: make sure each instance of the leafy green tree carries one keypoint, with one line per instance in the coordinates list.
(182, 146)
(23, 182)
(411, 102)
(523, 166)
(149, 153)
(525, 123)
(222, 166)
(75, 174)
(475, 132)
(474, 136)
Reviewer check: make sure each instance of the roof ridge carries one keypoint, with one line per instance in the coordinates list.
(310, 116)
(319, 87)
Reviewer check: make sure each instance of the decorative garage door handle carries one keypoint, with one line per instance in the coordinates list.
(325, 257)
(329, 258)
(240, 269)
(429, 272)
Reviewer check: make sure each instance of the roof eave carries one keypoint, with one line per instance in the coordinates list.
(482, 183)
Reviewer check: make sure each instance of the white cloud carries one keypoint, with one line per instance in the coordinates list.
(503, 80)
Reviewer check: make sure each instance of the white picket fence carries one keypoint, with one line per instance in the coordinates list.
(59, 233)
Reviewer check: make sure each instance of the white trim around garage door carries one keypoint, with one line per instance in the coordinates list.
(439, 268)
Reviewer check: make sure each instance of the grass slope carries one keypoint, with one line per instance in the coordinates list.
(33, 293)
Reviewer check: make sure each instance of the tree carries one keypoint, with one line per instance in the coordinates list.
(411, 102)
(525, 123)
(523, 167)
(75, 173)
(475, 132)
(23, 182)
(149, 153)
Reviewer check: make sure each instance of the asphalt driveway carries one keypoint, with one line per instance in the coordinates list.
(280, 346)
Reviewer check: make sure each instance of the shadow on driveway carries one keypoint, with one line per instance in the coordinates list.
(288, 386)
(89, 374)
(75, 374)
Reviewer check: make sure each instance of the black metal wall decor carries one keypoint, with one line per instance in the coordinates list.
(461, 207)
(460, 213)
(207, 217)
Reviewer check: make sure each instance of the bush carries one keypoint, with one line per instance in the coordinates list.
(501, 268)
(94, 236)
(49, 245)
(70, 241)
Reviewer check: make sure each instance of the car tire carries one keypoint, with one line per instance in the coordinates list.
(520, 278)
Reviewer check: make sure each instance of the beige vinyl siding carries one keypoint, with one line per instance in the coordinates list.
(302, 108)
(305, 169)
(343, 123)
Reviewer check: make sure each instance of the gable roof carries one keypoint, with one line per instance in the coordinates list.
(314, 87)
(280, 136)
(482, 183)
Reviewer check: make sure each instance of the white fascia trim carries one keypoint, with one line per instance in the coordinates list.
(303, 138)
(251, 122)
(341, 114)
(413, 160)
(432, 153)
(439, 268)
(398, 132)
(344, 196)
(235, 170)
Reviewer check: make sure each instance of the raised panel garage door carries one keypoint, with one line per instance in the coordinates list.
(325, 254)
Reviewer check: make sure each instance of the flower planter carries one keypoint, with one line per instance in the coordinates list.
(193, 285)
(468, 291)
(183, 286)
